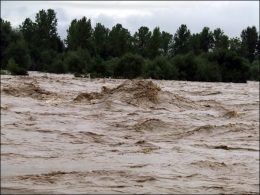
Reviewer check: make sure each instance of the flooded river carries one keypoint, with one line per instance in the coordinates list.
(61, 134)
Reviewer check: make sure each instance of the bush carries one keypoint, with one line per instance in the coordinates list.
(95, 75)
(190, 66)
(207, 71)
(3, 72)
(254, 70)
(85, 59)
(186, 66)
(146, 68)
(111, 65)
(178, 63)
(255, 74)
(98, 68)
(74, 63)
(15, 69)
(76, 74)
(58, 67)
(129, 66)
(19, 52)
(47, 59)
(173, 74)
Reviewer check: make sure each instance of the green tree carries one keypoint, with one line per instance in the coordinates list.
(98, 68)
(190, 66)
(194, 44)
(47, 59)
(41, 35)
(249, 36)
(206, 39)
(186, 66)
(238, 46)
(72, 40)
(129, 66)
(141, 41)
(220, 41)
(159, 68)
(207, 71)
(100, 41)
(28, 28)
(85, 59)
(233, 68)
(18, 50)
(79, 34)
(155, 44)
(254, 69)
(120, 41)
(166, 42)
(111, 65)
(46, 29)
(258, 45)
(6, 39)
(74, 63)
(181, 40)
(58, 67)
(15, 69)
(217, 34)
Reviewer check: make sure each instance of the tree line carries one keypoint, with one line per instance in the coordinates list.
(209, 56)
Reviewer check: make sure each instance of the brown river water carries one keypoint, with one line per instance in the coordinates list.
(61, 134)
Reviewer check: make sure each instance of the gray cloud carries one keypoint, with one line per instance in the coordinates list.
(107, 21)
(230, 16)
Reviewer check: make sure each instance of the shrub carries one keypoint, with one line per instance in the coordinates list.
(111, 65)
(74, 62)
(77, 74)
(19, 52)
(95, 75)
(98, 68)
(58, 67)
(207, 71)
(47, 59)
(129, 66)
(146, 68)
(3, 72)
(232, 67)
(15, 69)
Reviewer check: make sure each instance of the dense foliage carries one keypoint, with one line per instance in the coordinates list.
(98, 51)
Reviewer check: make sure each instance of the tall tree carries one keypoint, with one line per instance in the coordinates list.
(120, 41)
(46, 29)
(141, 40)
(166, 42)
(100, 40)
(155, 44)
(194, 44)
(71, 40)
(206, 39)
(181, 40)
(217, 34)
(249, 36)
(18, 51)
(220, 41)
(6, 38)
(79, 34)
(238, 46)
(28, 28)
(258, 45)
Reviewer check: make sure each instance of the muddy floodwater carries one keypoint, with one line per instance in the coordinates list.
(61, 134)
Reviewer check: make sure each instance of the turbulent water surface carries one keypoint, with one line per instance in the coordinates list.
(61, 134)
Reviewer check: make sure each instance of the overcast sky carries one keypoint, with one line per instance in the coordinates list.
(231, 16)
